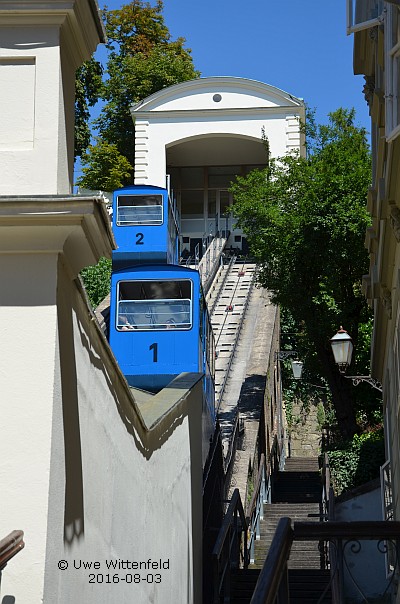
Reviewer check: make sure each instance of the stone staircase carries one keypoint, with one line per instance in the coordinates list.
(297, 495)
(305, 586)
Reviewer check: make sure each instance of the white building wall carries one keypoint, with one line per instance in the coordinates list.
(28, 321)
(29, 106)
(41, 46)
(88, 475)
(150, 154)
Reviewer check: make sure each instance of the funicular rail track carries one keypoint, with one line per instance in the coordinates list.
(217, 287)
(227, 317)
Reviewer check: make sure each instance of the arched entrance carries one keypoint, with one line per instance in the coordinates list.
(201, 171)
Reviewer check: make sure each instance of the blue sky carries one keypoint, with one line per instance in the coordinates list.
(300, 47)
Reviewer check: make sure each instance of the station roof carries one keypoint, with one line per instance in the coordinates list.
(217, 93)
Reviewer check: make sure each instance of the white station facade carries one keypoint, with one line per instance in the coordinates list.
(199, 135)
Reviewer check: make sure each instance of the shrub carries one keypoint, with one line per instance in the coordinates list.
(97, 281)
(357, 461)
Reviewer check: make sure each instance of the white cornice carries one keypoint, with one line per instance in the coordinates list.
(217, 113)
(77, 226)
(81, 20)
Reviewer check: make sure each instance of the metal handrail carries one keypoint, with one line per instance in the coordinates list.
(328, 503)
(230, 549)
(272, 465)
(263, 467)
(234, 504)
(174, 211)
(272, 585)
(274, 577)
(249, 527)
(327, 490)
(10, 546)
(208, 259)
(261, 495)
(362, 529)
(232, 444)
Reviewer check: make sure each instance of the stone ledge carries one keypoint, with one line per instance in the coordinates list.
(153, 408)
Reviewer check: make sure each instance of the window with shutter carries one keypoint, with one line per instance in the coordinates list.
(362, 14)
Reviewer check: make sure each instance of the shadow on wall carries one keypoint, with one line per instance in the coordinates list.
(74, 505)
(128, 410)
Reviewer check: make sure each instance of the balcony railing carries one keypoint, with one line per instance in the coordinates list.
(272, 584)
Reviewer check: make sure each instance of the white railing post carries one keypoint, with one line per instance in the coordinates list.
(262, 491)
(258, 533)
(251, 547)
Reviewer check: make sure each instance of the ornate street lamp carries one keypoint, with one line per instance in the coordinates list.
(342, 348)
(297, 366)
(297, 369)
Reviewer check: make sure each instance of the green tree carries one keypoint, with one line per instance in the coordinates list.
(88, 83)
(305, 219)
(104, 167)
(142, 59)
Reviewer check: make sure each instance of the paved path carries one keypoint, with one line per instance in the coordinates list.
(261, 320)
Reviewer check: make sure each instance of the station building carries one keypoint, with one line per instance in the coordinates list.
(199, 135)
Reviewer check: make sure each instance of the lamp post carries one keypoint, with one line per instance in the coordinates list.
(342, 348)
(297, 366)
(297, 369)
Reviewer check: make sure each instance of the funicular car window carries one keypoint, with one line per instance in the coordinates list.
(157, 305)
(139, 209)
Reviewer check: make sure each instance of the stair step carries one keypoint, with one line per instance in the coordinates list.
(305, 586)
(296, 495)
(260, 546)
(293, 512)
